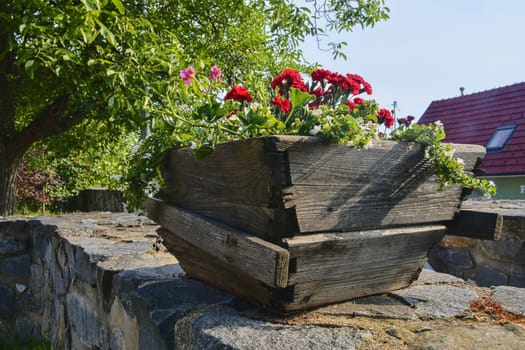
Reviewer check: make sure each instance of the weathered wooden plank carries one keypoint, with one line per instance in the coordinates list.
(279, 186)
(235, 184)
(200, 265)
(339, 256)
(264, 261)
(476, 224)
(338, 266)
(363, 283)
(386, 181)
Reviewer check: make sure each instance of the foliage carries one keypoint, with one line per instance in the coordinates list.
(62, 62)
(449, 170)
(328, 106)
(81, 158)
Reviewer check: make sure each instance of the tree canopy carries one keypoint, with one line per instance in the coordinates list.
(63, 62)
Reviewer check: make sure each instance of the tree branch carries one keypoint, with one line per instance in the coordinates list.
(51, 121)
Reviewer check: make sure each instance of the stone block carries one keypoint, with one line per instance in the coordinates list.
(437, 301)
(220, 330)
(85, 322)
(487, 277)
(12, 246)
(7, 305)
(166, 302)
(511, 298)
(517, 280)
(16, 267)
(450, 259)
(36, 272)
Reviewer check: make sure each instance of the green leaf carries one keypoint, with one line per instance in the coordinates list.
(118, 4)
(107, 34)
(299, 98)
(30, 68)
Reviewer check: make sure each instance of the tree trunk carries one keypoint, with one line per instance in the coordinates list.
(8, 168)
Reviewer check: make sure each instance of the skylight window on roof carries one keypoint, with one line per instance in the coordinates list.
(500, 138)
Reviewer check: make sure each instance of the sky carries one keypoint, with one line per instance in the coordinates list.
(428, 49)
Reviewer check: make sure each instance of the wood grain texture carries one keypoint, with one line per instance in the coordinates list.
(281, 186)
(340, 266)
(387, 184)
(476, 224)
(200, 265)
(264, 261)
(235, 184)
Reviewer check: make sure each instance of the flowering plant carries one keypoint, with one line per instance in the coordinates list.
(329, 105)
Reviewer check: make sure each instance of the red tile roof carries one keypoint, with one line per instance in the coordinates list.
(473, 119)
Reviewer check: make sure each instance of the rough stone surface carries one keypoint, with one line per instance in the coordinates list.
(511, 298)
(16, 267)
(479, 336)
(487, 277)
(437, 301)
(220, 330)
(101, 281)
(486, 262)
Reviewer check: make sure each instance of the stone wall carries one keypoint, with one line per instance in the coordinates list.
(485, 262)
(102, 281)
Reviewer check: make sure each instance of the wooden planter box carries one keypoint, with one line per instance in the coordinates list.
(294, 222)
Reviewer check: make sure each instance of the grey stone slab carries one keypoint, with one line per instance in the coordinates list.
(517, 280)
(511, 298)
(220, 330)
(379, 306)
(480, 336)
(7, 301)
(85, 321)
(439, 301)
(16, 267)
(432, 277)
(11, 246)
(487, 277)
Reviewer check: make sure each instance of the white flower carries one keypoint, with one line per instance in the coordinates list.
(460, 161)
(193, 145)
(328, 117)
(116, 177)
(317, 112)
(146, 155)
(233, 118)
(492, 183)
(438, 123)
(315, 130)
(254, 105)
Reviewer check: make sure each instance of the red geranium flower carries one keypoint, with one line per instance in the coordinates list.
(351, 106)
(282, 103)
(359, 101)
(387, 118)
(238, 93)
(289, 78)
(320, 74)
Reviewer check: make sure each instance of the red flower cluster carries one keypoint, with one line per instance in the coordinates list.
(238, 93)
(359, 101)
(406, 121)
(287, 79)
(387, 118)
(282, 103)
(352, 82)
(351, 106)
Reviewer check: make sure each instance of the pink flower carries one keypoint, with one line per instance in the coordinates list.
(215, 74)
(187, 74)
